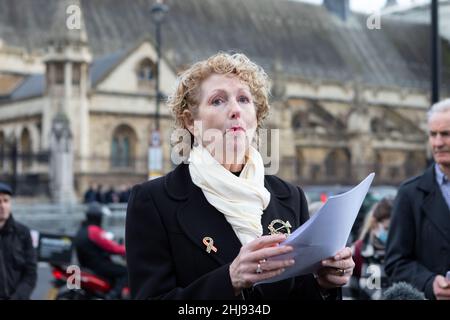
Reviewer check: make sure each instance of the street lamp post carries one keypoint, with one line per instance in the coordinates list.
(155, 156)
(159, 11)
(435, 59)
(436, 52)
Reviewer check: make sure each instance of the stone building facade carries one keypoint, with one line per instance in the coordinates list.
(345, 100)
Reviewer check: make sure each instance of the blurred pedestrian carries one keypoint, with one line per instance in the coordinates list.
(95, 249)
(112, 196)
(100, 195)
(369, 279)
(90, 194)
(125, 193)
(18, 272)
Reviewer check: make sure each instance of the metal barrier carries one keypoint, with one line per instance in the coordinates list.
(66, 219)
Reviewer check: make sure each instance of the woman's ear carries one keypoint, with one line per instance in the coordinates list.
(188, 120)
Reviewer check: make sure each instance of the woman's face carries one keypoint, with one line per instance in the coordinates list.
(226, 117)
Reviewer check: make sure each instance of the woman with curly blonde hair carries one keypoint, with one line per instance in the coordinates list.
(206, 229)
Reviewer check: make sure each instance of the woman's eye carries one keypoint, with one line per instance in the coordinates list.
(216, 101)
(244, 99)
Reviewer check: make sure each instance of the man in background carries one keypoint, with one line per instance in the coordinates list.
(18, 272)
(418, 246)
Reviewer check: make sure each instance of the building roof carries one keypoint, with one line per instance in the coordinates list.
(100, 67)
(309, 41)
(32, 86)
(8, 82)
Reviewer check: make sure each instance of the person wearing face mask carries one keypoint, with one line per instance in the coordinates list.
(369, 279)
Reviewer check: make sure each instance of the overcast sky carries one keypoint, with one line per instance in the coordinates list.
(369, 6)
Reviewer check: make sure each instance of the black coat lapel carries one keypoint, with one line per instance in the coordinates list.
(277, 208)
(434, 204)
(199, 219)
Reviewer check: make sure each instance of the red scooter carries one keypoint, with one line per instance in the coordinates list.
(91, 286)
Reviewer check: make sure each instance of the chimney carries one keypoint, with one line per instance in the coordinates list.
(341, 8)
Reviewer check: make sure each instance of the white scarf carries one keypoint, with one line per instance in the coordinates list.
(241, 199)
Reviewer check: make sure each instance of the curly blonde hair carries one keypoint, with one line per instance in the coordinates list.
(187, 90)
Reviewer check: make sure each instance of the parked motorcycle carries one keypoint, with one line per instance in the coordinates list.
(91, 286)
(58, 252)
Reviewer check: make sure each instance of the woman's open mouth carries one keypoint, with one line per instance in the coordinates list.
(236, 129)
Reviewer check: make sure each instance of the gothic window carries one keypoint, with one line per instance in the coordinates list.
(123, 147)
(337, 164)
(378, 165)
(59, 73)
(299, 164)
(394, 173)
(146, 72)
(76, 73)
(297, 120)
(315, 172)
(376, 126)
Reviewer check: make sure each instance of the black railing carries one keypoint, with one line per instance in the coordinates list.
(348, 174)
(17, 169)
(28, 173)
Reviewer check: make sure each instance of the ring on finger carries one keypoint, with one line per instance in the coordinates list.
(341, 272)
(258, 268)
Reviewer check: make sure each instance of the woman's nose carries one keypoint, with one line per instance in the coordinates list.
(235, 110)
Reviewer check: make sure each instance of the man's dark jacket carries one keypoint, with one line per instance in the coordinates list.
(418, 246)
(17, 261)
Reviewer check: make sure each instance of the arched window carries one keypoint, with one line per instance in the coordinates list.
(337, 164)
(76, 73)
(123, 147)
(59, 72)
(299, 164)
(376, 125)
(25, 149)
(298, 120)
(378, 165)
(146, 70)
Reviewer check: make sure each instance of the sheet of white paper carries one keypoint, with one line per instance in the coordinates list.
(325, 233)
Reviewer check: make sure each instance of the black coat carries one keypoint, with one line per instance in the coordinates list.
(89, 254)
(18, 272)
(167, 219)
(418, 246)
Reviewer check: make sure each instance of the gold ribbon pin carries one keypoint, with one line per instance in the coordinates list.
(278, 226)
(209, 243)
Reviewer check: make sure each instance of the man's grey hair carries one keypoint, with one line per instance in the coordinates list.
(438, 107)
